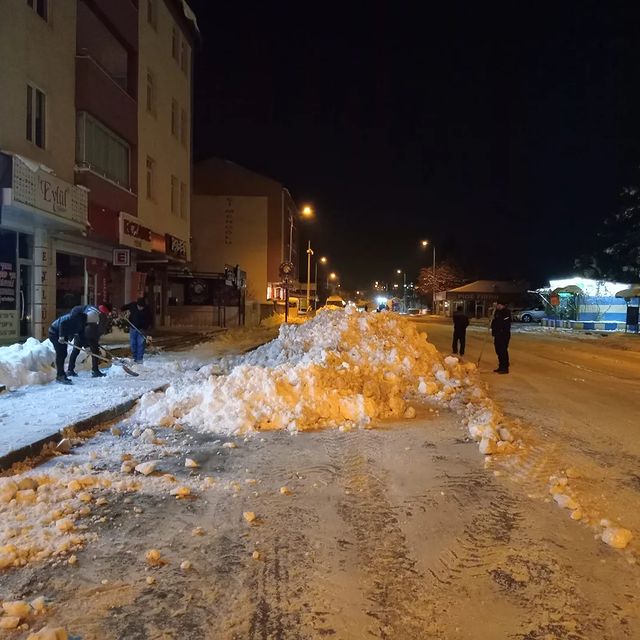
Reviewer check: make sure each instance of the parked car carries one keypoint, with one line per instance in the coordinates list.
(533, 314)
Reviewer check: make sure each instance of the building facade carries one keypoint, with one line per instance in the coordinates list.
(246, 219)
(94, 157)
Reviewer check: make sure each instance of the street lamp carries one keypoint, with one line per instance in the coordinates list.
(331, 276)
(309, 254)
(307, 212)
(322, 261)
(404, 290)
(424, 244)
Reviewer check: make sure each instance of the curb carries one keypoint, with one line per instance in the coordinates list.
(35, 448)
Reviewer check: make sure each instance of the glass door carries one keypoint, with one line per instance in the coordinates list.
(25, 303)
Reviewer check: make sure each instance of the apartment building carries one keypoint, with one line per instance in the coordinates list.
(95, 149)
(167, 33)
(40, 207)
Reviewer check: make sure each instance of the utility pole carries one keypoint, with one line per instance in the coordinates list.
(309, 254)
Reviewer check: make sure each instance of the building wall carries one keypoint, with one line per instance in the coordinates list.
(171, 155)
(218, 177)
(42, 53)
(232, 230)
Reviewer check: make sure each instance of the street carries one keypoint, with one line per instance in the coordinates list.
(393, 532)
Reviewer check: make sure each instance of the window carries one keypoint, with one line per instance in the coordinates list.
(152, 13)
(184, 58)
(174, 195)
(175, 44)
(151, 178)
(174, 118)
(151, 92)
(102, 151)
(36, 116)
(183, 127)
(41, 7)
(183, 200)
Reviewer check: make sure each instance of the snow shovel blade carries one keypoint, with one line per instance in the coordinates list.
(125, 367)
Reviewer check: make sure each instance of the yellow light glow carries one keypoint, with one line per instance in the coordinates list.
(323, 260)
(307, 210)
(399, 271)
(333, 276)
(425, 243)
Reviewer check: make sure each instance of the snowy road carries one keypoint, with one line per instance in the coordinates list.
(577, 400)
(398, 532)
(390, 533)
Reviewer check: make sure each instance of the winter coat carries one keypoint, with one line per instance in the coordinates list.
(93, 330)
(139, 318)
(460, 322)
(501, 323)
(68, 325)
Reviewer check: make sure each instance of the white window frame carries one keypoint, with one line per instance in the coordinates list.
(33, 4)
(183, 127)
(175, 115)
(152, 14)
(151, 178)
(183, 200)
(184, 55)
(152, 92)
(30, 121)
(175, 43)
(175, 188)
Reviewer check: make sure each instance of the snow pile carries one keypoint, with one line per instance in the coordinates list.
(28, 363)
(341, 369)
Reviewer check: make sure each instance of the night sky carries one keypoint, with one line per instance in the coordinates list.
(504, 134)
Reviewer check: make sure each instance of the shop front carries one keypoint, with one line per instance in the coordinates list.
(36, 208)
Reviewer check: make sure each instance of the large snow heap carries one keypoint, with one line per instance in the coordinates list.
(28, 363)
(343, 368)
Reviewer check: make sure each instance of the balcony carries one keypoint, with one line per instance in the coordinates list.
(122, 18)
(101, 96)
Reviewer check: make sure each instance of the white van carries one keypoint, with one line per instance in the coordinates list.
(335, 302)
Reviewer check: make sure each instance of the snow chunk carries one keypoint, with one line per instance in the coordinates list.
(616, 537)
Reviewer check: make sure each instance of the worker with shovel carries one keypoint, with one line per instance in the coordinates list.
(97, 324)
(140, 319)
(61, 331)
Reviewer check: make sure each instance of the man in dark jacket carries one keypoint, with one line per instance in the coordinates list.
(140, 319)
(61, 331)
(501, 332)
(460, 324)
(97, 324)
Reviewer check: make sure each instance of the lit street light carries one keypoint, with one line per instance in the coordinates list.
(404, 290)
(322, 261)
(433, 301)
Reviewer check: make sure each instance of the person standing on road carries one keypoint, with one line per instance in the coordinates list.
(460, 324)
(62, 331)
(501, 332)
(140, 319)
(97, 324)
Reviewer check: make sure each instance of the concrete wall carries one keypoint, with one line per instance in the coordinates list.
(42, 53)
(232, 230)
(171, 155)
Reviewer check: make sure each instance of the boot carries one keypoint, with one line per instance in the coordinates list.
(98, 374)
(63, 380)
(71, 373)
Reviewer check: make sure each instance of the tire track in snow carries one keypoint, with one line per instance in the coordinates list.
(399, 605)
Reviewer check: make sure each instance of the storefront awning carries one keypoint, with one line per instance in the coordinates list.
(631, 292)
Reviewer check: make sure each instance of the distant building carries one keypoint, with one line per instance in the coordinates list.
(477, 297)
(240, 217)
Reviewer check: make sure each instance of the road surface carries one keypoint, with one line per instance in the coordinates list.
(397, 532)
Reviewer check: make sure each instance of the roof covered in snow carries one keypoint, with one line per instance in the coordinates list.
(491, 286)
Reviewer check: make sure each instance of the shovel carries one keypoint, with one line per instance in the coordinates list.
(118, 361)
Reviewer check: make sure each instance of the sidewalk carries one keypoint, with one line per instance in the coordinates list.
(35, 415)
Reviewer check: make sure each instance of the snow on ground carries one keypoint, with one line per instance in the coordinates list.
(31, 413)
(28, 363)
